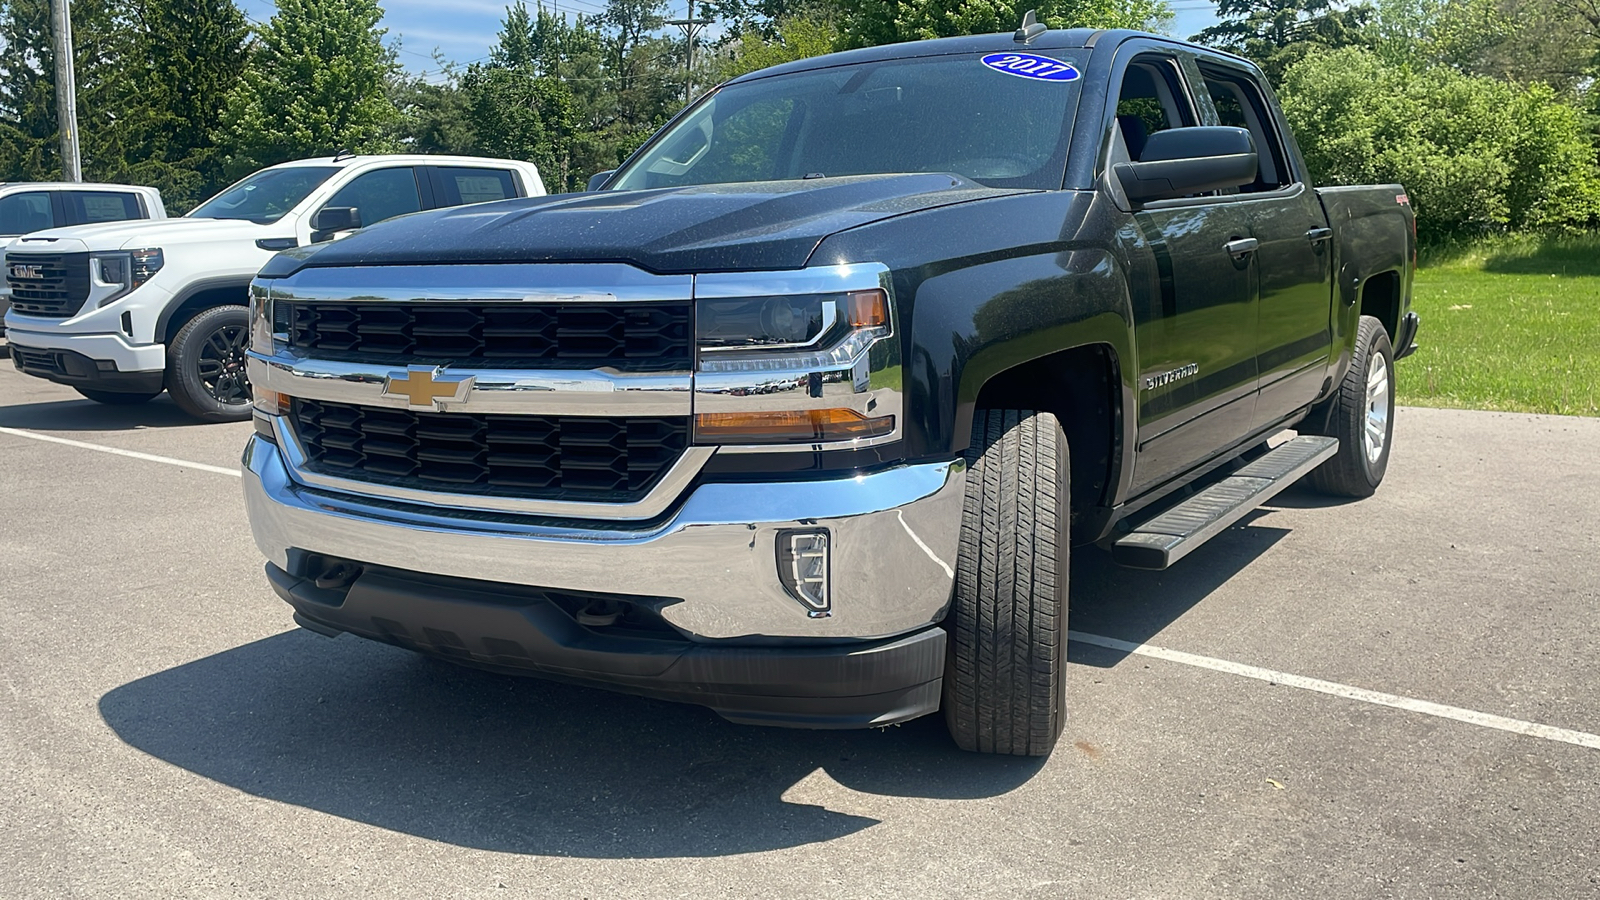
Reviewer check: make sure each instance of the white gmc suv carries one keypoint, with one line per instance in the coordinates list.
(122, 311)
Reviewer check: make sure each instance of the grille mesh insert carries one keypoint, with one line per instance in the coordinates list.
(629, 337)
(536, 457)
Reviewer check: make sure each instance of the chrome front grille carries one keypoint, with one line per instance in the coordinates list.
(587, 458)
(52, 285)
(628, 337)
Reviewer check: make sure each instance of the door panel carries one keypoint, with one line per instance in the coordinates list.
(1296, 315)
(1196, 336)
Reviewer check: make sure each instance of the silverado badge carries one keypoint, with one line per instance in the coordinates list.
(426, 388)
(1162, 379)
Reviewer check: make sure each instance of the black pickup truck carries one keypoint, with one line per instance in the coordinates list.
(796, 414)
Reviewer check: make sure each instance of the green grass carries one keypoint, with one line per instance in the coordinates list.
(1510, 324)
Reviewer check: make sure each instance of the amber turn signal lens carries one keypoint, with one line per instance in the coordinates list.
(789, 426)
(868, 309)
(270, 402)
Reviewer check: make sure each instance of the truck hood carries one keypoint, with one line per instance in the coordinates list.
(727, 227)
(137, 234)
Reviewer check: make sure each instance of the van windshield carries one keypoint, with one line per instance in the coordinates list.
(962, 114)
(266, 196)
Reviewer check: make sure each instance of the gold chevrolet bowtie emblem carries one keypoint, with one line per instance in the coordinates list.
(425, 388)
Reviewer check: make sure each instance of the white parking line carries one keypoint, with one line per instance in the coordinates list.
(118, 451)
(1378, 698)
(1410, 704)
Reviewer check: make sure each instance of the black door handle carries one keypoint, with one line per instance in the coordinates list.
(1240, 246)
(1318, 235)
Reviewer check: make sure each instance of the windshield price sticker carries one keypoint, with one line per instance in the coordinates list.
(1026, 65)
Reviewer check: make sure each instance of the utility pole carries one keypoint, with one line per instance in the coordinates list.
(691, 27)
(66, 92)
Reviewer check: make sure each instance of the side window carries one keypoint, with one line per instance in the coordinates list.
(88, 207)
(381, 195)
(22, 213)
(1240, 104)
(1151, 99)
(457, 186)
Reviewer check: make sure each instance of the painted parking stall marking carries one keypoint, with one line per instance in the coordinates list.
(1317, 685)
(117, 451)
(1334, 689)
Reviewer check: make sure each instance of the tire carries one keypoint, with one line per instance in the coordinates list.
(1361, 415)
(205, 365)
(1005, 677)
(117, 398)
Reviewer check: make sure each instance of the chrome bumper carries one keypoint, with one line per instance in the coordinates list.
(894, 537)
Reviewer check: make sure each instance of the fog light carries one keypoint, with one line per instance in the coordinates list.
(803, 568)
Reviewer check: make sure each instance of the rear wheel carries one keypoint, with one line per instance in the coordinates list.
(117, 398)
(1361, 416)
(1004, 682)
(206, 365)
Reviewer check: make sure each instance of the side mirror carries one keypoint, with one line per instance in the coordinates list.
(1183, 161)
(336, 218)
(598, 179)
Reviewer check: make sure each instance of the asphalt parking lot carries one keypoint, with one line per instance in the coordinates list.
(166, 732)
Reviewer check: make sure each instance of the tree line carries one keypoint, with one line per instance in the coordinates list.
(1484, 109)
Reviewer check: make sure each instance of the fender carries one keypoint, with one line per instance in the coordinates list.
(194, 289)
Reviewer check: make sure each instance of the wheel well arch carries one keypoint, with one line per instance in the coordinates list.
(1082, 388)
(1380, 298)
(198, 299)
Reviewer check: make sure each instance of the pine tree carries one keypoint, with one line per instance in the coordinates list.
(194, 54)
(315, 84)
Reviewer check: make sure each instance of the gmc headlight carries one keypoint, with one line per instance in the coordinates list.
(799, 368)
(117, 274)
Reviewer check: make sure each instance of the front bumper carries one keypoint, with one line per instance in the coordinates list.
(75, 369)
(853, 685)
(485, 589)
(112, 348)
(893, 537)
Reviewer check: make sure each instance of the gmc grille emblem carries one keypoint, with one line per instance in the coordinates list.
(27, 272)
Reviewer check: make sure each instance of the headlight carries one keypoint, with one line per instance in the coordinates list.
(119, 273)
(262, 337)
(804, 368)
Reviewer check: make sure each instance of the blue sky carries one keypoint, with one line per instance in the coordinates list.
(464, 29)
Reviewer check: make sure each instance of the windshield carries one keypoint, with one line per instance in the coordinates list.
(962, 114)
(266, 196)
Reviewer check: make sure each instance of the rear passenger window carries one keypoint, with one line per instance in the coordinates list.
(381, 195)
(88, 207)
(22, 213)
(1239, 103)
(458, 186)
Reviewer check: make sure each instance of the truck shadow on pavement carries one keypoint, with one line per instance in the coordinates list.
(380, 736)
(1135, 605)
(86, 415)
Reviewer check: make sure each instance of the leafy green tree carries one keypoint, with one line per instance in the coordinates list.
(435, 117)
(103, 53)
(1277, 33)
(192, 54)
(315, 84)
(799, 38)
(872, 22)
(1476, 154)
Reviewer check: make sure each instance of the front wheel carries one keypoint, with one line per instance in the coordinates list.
(118, 398)
(1361, 415)
(206, 365)
(1004, 682)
